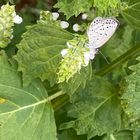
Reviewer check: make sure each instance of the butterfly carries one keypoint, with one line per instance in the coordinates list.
(99, 32)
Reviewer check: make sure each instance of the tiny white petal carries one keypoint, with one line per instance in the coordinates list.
(64, 24)
(69, 45)
(2, 7)
(55, 15)
(14, 14)
(76, 27)
(92, 53)
(64, 52)
(86, 58)
(79, 65)
(17, 19)
(84, 16)
(11, 37)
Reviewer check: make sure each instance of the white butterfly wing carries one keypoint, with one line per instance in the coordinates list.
(101, 30)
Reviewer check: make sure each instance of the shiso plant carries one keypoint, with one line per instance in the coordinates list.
(50, 89)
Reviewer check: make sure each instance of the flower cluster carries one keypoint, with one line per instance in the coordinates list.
(53, 17)
(7, 19)
(78, 52)
(76, 55)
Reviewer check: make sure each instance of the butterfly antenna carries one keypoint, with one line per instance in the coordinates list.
(104, 57)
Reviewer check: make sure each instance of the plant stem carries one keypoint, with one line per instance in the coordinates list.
(119, 61)
(54, 96)
(59, 102)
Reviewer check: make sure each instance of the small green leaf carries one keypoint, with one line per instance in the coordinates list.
(25, 112)
(132, 15)
(39, 51)
(96, 109)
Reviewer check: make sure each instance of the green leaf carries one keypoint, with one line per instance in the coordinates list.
(101, 7)
(131, 93)
(24, 112)
(39, 51)
(132, 15)
(96, 109)
(76, 7)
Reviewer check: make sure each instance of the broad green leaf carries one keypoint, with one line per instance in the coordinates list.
(25, 113)
(96, 109)
(39, 51)
(76, 7)
(131, 93)
(132, 15)
(107, 7)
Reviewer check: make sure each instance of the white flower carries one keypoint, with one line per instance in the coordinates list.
(69, 45)
(79, 65)
(76, 27)
(64, 52)
(14, 14)
(84, 16)
(86, 58)
(17, 19)
(92, 53)
(55, 15)
(11, 37)
(92, 50)
(64, 24)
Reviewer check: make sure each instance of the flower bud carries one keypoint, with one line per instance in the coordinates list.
(55, 15)
(64, 24)
(76, 27)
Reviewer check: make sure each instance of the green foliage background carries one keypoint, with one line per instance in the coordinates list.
(101, 102)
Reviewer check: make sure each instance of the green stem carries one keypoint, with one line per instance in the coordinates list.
(54, 96)
(59, 102)
(119, 61)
